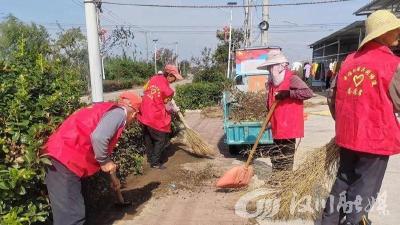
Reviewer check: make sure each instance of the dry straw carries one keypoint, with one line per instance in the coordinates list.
(308, 184)
(197, 145)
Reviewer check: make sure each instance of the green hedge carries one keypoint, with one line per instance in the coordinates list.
(115, 85)
(198, 95)
(212, 74)
(120, 68)
(35, 98)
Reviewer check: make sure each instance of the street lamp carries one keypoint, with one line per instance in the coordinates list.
(155, 55)
(230, 40)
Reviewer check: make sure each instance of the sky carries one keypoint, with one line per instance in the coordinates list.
(292, 28)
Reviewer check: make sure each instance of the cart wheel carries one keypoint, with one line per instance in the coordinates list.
(234, 149)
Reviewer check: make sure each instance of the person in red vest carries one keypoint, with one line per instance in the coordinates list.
(363, 102)
(79, 148)
(154, 114)
(287, 122)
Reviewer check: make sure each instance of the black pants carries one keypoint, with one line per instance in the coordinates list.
(358, 181)
(65, 195)
(155, 141)
(282, 154)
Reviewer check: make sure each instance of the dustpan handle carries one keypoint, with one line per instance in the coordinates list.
(260, 134)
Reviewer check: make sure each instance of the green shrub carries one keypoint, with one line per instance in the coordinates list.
(120, 68)
(198, 95)
(211, 74)
(36, 94)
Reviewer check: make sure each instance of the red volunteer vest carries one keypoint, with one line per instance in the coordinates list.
(71, 145)
(152, 110)
(365, 119)
(288, 120)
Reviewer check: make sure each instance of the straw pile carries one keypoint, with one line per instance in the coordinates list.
(248, 106)
(306, 187)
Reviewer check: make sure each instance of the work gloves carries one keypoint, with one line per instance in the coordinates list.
(281, 95)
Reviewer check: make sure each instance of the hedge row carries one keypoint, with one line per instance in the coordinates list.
(198, 95)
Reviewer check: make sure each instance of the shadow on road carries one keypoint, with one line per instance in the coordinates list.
(113, 212)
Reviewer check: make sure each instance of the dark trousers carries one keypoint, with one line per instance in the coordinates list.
(358, 182)
(282, 154)
(155, 141)
(65, 195)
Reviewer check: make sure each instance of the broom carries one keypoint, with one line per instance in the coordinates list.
(197, 145)
(308, 185)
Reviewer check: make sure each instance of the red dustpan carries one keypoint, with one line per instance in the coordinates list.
(240, 176)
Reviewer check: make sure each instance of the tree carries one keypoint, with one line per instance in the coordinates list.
(220, 55)
(184, 67)
(14, 37)
(205, 60)
(121, 37)
(165, 56)
(71, 49)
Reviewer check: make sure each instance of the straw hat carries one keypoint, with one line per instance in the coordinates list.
(379, 23)
(273, 58)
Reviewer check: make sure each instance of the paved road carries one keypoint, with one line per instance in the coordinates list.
(218, 208)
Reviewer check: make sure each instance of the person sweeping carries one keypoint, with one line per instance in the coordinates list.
(364, 101)
(156, 116)
(79, 148)
(288, 119)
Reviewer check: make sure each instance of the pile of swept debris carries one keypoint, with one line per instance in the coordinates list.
(248, 106)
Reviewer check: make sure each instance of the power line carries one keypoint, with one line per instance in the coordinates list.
(222, 6)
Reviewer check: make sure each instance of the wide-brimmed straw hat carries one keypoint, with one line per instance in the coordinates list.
(273, 58)
(379, 23)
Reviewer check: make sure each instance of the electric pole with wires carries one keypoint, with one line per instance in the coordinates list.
(264, 24)
(95, 62)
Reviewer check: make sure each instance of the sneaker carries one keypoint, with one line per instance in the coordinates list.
(158, 166)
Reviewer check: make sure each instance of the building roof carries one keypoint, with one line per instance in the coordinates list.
(352, 30)
(393, 5)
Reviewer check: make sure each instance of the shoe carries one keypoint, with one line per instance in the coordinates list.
(158, 166)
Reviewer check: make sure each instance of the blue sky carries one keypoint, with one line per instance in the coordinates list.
(292, 27)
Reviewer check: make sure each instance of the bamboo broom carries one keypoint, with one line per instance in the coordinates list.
(197, 145)
(308, 185)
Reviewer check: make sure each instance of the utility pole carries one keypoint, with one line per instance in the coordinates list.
(94, 51)
(155, 55)
(265, 17)
(230, 42)
(176, 52)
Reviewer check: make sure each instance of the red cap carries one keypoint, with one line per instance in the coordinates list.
(171, 69)
(134, 99)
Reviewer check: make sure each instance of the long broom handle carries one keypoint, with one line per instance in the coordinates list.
(260, 134)
(180, 115)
